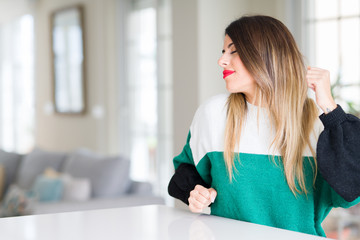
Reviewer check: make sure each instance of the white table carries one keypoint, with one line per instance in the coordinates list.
(146, 222)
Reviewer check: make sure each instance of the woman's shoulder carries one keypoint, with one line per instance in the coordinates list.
(212, 110)
(207, 128)
(214, 104)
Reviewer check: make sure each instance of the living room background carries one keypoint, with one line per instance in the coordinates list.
(187, 40)
(181, 72)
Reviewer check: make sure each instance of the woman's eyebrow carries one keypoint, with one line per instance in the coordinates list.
(227, 47)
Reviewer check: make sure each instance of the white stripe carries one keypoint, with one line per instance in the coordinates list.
(208, 127)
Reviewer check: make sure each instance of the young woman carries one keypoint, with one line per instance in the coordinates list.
(261, 153)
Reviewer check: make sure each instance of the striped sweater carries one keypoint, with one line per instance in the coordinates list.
(259, 193)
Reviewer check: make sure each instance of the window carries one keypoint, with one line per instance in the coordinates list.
(146, 93)
(142, 90)
(17, 85)
(334, 30)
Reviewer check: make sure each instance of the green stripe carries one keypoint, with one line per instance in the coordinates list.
(186, 155)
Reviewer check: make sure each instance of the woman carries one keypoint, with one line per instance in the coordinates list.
(261, 153)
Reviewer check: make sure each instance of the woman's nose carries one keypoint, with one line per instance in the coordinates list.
(223, 61)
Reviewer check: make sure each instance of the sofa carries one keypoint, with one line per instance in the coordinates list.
(49, 182)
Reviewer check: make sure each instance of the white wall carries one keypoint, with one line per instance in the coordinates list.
(68, 132)
(10, 10)
(185, 68)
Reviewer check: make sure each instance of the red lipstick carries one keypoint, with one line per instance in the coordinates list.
(227, 73)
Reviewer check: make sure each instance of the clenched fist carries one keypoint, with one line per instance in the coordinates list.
(201, 198)
(319, 81)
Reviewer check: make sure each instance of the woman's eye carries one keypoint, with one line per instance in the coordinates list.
(233, 52)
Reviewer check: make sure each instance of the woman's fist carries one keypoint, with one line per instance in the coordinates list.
(201, 198)
(319, 80)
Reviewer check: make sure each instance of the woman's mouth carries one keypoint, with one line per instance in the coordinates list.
(226, 73)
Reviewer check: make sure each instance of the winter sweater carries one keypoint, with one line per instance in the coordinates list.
(259, 192)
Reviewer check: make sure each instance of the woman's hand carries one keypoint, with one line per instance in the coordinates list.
(201, 198)
(319, 80)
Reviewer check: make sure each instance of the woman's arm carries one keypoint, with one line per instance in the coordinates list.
(184, 180)
(338, 148)
(187, 185)
(338, 153)
(186, 176)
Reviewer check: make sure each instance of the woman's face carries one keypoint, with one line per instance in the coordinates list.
(236, 76)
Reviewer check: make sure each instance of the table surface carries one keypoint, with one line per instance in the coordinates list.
(145, 222)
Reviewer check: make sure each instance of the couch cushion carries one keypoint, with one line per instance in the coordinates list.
(140, 188)
(34, 165)
(76, 189)
(109, 176)
(10, 161)
(17, 202)
(48, 189)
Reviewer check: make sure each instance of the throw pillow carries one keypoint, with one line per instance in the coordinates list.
(109, 176)
(34, 165)
(76, 189)
(17, 202)
(10, 161)
(51, 173)
(48, 189)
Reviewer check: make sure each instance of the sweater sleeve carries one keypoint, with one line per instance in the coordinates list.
(186, 177)
(338, 153)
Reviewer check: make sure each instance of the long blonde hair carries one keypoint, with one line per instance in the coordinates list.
(270, 54)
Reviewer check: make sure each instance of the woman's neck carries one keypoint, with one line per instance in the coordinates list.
(252, 99)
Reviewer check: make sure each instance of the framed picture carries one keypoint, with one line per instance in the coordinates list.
(68, 60)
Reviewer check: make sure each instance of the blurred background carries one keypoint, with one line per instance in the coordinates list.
(141, 68)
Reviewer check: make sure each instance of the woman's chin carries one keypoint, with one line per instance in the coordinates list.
(231, 90)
